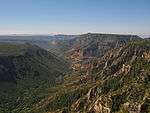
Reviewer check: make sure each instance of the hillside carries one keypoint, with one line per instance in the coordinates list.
(47, 42)
(119, 82)
(85, 47)
(25, 73)
(124, 81)
(93, 44)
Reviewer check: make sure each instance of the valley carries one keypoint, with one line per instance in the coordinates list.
(88, 73)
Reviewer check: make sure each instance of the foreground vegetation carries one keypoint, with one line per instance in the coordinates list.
(118, 82)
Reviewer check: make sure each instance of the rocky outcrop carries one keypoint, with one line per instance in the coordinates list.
(101, 107)
(89, 46)
(146, 55)
(124, 82)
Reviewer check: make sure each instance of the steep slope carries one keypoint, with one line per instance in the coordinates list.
(124, 76)
(116, 82)
(88, 46)
(119, 82)
(98, 42)
(26, 71)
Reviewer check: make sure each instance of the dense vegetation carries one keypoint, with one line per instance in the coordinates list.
(33, 80)
(26, 74)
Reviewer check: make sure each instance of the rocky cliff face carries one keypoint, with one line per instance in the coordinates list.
(89, 46)
(118, 83)
(124, 86)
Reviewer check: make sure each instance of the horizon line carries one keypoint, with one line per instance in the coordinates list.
(53, 34)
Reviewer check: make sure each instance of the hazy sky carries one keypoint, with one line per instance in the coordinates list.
(74, 16)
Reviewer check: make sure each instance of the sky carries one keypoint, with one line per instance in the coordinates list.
(74, 16)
